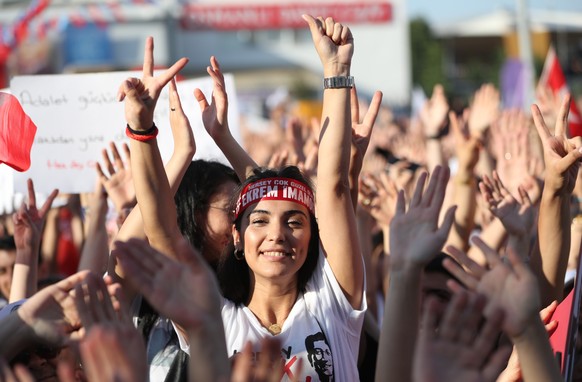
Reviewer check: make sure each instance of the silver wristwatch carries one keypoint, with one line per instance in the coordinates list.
(338, 82)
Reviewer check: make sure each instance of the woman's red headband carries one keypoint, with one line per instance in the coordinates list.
(274, 189)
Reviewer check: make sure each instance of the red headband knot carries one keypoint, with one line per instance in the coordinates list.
(274, 189)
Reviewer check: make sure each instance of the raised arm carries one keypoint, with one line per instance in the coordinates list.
(28, 225)
(433, 117)
(95, 252)
(361, 133)
(215, 119)
(512, 288)
(464, 182)
(334, 209)
(562, 159)
(152, 188)
(415, 239)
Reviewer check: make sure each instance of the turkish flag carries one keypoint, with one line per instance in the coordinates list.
(17, 133)
(553, 77)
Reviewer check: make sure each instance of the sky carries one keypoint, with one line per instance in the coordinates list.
(439, 11)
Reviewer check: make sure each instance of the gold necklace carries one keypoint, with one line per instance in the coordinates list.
(274, 329)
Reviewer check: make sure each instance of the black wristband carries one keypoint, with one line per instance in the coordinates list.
(149, 131)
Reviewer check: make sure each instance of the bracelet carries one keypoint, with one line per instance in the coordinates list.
(339, 82)
(142, 136)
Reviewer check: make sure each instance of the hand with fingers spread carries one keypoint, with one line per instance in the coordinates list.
(434, 112)
(141, 95)
(415, 239)
(510, 140)
(415, 235)
(484, 110)
(193, 301)
(49, 316)
(119, 183)
(512, 288)
(28, 227)
(516, 215)
(378, 194)
(459, 348)
(192, 304)
(112, 349)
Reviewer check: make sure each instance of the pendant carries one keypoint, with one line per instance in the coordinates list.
(275, 329)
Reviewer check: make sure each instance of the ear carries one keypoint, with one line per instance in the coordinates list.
(236, 238)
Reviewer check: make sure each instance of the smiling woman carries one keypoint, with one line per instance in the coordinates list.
(284, 274)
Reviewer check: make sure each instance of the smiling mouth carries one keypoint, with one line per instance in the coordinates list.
(275, 254)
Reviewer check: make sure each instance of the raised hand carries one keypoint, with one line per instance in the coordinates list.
(415, 237)
(51, 313)
(362, 131)
(561, 155)
(450, 350)
(467, 146)
(484, 110)
(214, 115)
(119, 184)
(510, 287)
(434, 112)
(141, 95)
(28, 224)
(334, 44)
(510, 140)
(517, 215)
(378, 194)
(112, 349)
(29, 220)
(192, 301)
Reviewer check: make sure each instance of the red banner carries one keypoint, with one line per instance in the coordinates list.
(233, 17)
(553, 77)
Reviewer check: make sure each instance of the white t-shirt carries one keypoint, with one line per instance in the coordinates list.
(322, 318)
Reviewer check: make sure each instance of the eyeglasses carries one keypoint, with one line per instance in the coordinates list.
(226, 210)
(41, 351)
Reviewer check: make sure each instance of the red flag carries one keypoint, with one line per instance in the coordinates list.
(553, 77)
(16, 133)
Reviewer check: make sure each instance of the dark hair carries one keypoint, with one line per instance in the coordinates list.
(7, 243)
(436, 266)
(233, 274)
(201, 180)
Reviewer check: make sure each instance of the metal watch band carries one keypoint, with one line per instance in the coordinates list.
(338, 82)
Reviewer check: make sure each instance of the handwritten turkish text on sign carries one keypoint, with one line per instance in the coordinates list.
(77, 115)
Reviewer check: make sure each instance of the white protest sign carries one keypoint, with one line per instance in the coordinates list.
(77, 115)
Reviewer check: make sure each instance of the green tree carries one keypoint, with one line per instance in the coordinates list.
(427, 57)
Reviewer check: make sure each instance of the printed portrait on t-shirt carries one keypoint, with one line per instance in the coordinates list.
(319, 355)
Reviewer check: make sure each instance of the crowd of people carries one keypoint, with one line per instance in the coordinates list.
(359, 248)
